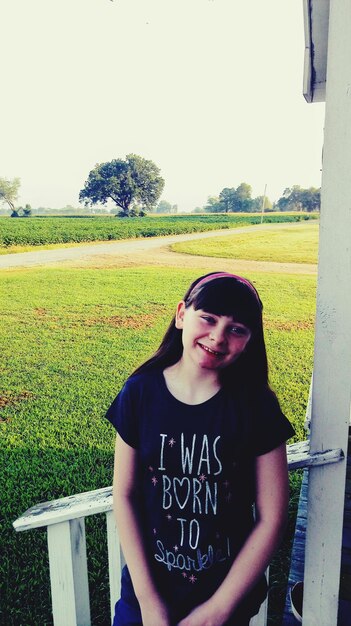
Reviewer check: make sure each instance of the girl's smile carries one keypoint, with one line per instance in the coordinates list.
(214, 352)
(210, 341)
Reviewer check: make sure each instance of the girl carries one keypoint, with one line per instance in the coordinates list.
(201, 438)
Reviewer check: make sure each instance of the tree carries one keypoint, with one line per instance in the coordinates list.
(311, 199)
(243, 197)
(299, 199)
(134, 184)
(236, 200)
(213, 205)
(164, 207)
(27, 211)
(9, 192)
(227, 199)
(291, 199)
(22, 211)
(256, 204)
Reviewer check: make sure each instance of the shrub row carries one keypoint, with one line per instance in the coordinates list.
(48, 230)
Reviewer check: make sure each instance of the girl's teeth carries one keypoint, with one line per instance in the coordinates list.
(209, 350)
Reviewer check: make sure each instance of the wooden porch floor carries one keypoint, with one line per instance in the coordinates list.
(298, 551)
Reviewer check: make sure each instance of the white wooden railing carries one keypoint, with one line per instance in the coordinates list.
(65, 522)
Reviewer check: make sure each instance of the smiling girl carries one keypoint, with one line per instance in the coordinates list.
(200, 480)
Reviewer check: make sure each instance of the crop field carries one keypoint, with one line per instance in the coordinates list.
(290, 245)
(68, 339)
(17, 233)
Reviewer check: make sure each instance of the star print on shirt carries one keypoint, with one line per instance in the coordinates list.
(202, 477)
(192, 579)
(171, 442)
(154, 481)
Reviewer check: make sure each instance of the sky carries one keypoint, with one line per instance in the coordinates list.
(210, 90)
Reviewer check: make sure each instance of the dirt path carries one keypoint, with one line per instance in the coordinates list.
(165, 256)
(151, 251)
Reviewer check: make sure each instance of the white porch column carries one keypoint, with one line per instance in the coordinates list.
(332, 368)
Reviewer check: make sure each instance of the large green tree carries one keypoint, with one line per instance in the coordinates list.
(134, 184)
(9, 192)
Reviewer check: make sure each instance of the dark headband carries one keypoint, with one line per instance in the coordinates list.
(240, 279)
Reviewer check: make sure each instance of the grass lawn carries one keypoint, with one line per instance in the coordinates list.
(68, 339)
(295, 244)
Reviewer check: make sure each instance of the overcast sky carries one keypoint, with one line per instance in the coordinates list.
(210, 90)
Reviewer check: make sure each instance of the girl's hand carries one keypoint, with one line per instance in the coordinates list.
(154, 613)
(203, 615)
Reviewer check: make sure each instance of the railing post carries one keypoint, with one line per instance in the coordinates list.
(69, 573)
(115, 560)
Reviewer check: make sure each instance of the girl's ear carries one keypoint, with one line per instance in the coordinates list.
(179, 317)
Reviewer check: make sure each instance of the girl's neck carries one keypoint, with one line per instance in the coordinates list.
(189, 385)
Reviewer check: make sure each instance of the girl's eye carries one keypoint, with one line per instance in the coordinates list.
(240, 331)
(208, 318)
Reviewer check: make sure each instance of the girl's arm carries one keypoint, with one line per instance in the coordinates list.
(125, 505)
(272, 497)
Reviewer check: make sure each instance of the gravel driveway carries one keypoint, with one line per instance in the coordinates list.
(150, 251)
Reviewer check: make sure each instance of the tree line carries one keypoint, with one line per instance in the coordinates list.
(135, 184)
(240, 200)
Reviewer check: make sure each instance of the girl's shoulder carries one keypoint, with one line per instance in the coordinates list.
(140, 383)
(251, 397)
(124, 412)
(143, 379)
(270, 427)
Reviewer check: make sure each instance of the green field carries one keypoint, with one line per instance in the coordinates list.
(291, 245)
(45, 231)
(68, 339)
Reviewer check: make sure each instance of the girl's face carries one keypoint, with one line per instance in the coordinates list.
(210, 341)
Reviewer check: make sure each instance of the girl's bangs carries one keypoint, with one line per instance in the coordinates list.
(228, 297)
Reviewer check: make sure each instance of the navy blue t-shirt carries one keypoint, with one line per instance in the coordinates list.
(196, 473)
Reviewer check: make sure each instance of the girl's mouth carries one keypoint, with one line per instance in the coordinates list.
(207, 349)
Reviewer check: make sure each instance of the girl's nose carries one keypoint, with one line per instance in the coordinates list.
(217, 334)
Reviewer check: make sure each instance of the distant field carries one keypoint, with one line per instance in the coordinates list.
(16, 234)
(68, 339)
(291, 245)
